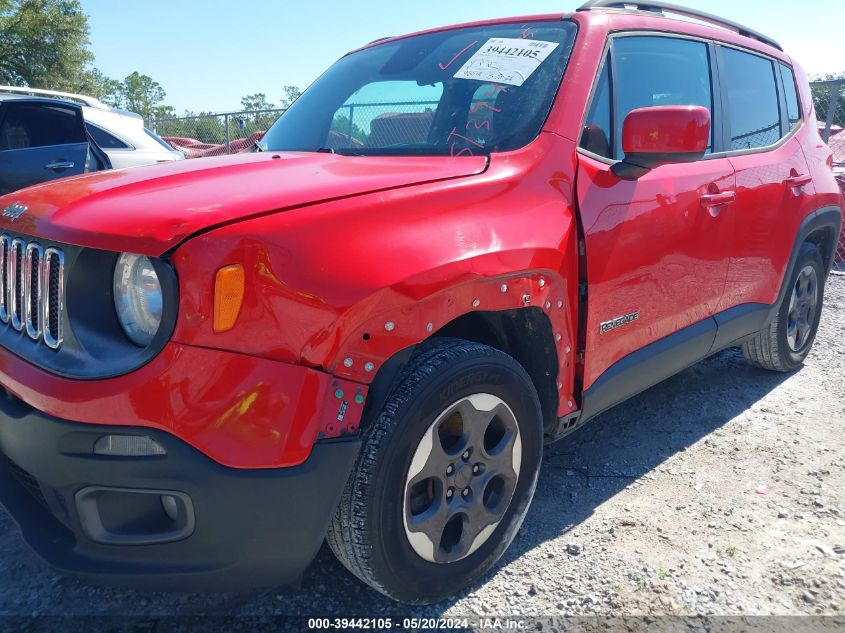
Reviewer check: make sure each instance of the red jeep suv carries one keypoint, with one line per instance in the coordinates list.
(455, 246)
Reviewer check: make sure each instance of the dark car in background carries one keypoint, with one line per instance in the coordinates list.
(44, 139)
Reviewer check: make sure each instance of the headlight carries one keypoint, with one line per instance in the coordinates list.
(137, 298)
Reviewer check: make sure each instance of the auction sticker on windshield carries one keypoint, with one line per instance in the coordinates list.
(506, 60)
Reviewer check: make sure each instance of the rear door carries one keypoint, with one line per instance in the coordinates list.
(774, 188)
(656, 248)
(40, 141)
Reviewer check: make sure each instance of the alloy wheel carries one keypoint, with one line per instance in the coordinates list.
(802, 308)
(462, 478)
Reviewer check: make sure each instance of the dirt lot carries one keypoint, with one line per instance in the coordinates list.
(721, 491)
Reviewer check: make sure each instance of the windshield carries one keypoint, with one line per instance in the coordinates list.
(460, 92)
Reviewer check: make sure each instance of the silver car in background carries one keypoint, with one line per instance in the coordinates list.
(119, 133)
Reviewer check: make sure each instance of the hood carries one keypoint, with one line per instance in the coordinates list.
(149, 210)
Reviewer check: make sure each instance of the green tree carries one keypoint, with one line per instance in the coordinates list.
(94, 83)
(340, 124)
(142, 94)
(245, 125)
(291, 94)
(258, 101)
(201, 126)
(43, 43)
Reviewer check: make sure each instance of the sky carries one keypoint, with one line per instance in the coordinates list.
(207, 54)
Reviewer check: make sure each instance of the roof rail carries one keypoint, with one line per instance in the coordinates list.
(655, 6)
(381, 39)
(36, 92)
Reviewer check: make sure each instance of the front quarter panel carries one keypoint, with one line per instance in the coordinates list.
(345, 285)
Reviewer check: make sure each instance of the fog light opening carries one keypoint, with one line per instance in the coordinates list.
(128, 446)
(134, 516)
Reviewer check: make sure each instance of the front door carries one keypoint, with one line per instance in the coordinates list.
(656, 248)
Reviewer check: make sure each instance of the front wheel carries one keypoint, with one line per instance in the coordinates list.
(785, 342)
(446, 474)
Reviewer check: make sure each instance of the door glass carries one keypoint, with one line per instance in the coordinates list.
(753, 110)
(595, 137)
(659, 71)
(103, 139)
(35, 125)
(793, 112)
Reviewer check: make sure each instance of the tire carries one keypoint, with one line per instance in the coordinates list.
(374, 526)
(780, 346)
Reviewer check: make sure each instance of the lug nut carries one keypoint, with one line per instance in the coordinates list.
(465, 456)
(465, 493)
(475, 469)
(449, 493)
(450, 469)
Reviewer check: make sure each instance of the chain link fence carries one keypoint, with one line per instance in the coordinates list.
(356, 125)
(829, 100)
(204, 135)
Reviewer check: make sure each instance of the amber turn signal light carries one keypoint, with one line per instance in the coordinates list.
(228, 296)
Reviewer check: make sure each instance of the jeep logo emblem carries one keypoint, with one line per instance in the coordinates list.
(14, 211)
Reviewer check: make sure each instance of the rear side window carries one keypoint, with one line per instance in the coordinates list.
(34, 125)
(793, 111)
(659, 71)
(103, 139)
(595, 137)
(753, 110)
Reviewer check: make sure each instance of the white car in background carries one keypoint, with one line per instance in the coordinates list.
(120, 134)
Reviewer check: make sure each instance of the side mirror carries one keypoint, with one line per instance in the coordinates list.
(660, 135)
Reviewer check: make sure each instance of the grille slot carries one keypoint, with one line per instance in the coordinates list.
(54, 273)
(16, 284)
(5, 246)
(33, 273)
(31, 287)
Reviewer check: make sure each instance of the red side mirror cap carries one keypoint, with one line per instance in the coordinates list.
(660, 135)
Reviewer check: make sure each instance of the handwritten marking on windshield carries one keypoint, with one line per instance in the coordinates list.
(527, 33)
(454, 132)
(488, 94)
(462, 51)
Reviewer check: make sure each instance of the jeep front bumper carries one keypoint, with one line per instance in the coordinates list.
(247, 528)
(256, 454)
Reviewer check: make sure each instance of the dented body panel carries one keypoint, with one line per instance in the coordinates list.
(416, 258)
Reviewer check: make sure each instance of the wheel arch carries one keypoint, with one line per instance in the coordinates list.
(821, 227)
(525, 334)
(825, 239)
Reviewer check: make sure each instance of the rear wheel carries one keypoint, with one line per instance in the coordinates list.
(445, 476)
(785, 342)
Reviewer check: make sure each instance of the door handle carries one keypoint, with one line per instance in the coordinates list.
(711, 200)
(59, 165)
(799, 181)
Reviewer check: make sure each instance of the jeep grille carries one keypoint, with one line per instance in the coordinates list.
(31, 282)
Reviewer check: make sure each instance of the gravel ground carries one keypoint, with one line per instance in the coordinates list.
(720, 491)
